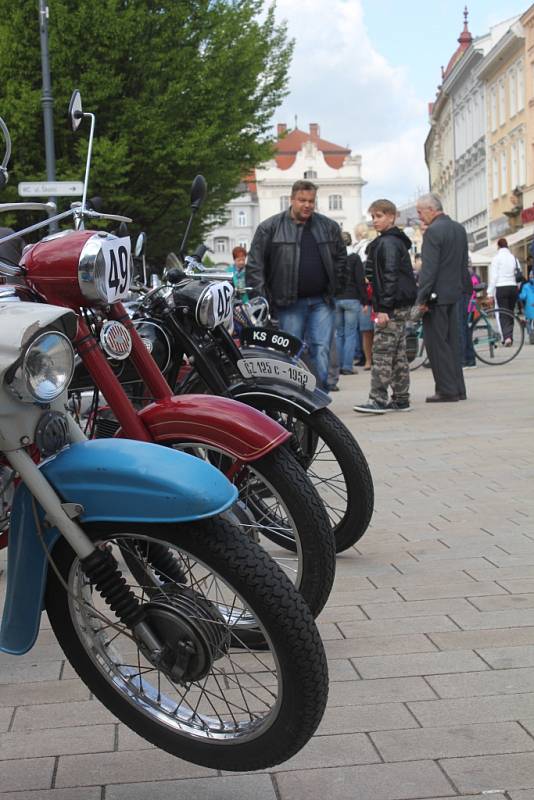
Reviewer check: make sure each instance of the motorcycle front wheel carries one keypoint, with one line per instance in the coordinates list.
(227, 706)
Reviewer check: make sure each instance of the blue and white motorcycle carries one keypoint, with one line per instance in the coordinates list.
(180, 624)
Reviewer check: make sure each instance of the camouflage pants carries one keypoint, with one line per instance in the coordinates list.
(390, 364)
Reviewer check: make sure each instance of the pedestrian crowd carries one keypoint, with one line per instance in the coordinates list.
(351, 302)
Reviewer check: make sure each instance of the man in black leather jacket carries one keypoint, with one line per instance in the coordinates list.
(297, 260)
(390, 272)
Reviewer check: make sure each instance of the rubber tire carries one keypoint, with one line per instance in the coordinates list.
(281, 469)
(351, 460)
(276, 605)
(490, 313)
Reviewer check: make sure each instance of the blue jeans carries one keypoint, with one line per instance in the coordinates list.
(311, 319)
(467, 351)
(347, 335)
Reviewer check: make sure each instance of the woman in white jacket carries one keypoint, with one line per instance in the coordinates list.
(502, 287)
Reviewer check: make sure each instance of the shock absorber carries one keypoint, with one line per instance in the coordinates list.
(165, 564)
(102, 570)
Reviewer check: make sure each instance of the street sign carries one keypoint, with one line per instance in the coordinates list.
(51, 189)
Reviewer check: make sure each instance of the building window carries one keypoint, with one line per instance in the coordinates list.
(495, 178)
(310, 175)
(244, 244)
(242, 219)
(514, 167)
(504, 173)
(493, 108)
(522, 166)
(284, 202)
(520, 86)
(512, 92)
(502, 102)
(335, 202)
(221, 244)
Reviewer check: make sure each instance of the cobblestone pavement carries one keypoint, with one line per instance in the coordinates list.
(429, 634)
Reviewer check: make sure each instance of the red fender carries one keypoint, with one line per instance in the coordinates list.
(237, 429)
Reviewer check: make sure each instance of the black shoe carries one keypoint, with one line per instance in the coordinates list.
(442, 398)
(359, 362)
(348, 371)
(333, 388)
(395, 405)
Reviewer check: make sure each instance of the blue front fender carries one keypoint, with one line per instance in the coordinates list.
(115, 480)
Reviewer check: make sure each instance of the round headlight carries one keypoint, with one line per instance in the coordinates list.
(47, 367)
(214, 306)
(92, 270)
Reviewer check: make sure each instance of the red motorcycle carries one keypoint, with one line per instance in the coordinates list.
(89, 271)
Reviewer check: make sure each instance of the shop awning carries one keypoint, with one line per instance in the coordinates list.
(485, 254)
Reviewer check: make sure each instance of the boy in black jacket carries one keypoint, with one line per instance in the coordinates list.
(389, 270)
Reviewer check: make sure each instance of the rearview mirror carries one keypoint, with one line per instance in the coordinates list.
(75, 110)
(140, 245)
(199, 190)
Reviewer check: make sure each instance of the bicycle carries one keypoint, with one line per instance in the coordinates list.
(486, 331)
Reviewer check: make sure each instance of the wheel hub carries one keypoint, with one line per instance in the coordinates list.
(192, 631)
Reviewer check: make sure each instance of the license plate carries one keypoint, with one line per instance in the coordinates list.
(278, 370)
(269, 337)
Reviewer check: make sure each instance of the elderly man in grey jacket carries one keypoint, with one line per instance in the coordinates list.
(441, 280)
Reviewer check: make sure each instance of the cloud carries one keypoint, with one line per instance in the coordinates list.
(340, 79)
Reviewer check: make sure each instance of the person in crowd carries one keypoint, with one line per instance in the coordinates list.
(417, 264)
(389, 269)
(362, 354)
(349, 303)
(297, 260)
(441, 285)
(239, 254)
(526, 295)
(502, 287)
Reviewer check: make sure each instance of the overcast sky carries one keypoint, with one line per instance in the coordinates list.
(365, 70)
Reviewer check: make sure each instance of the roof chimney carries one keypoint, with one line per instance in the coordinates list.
(314, 130)
(281, 129)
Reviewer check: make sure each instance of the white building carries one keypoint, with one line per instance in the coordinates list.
(298, 155)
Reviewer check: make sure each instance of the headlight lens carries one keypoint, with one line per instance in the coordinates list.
(214, 306)
(46, 369)
(92, 270)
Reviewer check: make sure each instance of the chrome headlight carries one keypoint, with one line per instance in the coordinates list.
(105, 268)
(214, 306)
(46, 369)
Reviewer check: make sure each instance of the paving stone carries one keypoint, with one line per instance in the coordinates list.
(475, 684)
(44, 692)
(26, 773)
(503, 602)
(374, 782)
(490, 773)
(520, 795)
(377, 645)
(467, 588)
(382, 690)
(56, 741)
(485, 620)
(354, 719)
(30, 672)
(418, 664)
(506, 657)
(474, 710)
(234, 787)
(464, 640)
(56, 794)
(396, 627)
(460, 740)
(417, 608)
(387, 595)
(125, 767)
(6, 715)
(59, 715)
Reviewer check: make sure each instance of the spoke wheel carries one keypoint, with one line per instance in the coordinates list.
(279, 508)
(488, 342)
(209, 698)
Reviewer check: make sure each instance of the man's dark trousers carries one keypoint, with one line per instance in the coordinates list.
(442, 342)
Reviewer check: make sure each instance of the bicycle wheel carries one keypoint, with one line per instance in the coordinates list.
(206, 696)
(415, 348)
(488, 341)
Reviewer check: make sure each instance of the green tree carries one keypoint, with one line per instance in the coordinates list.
(179, 87)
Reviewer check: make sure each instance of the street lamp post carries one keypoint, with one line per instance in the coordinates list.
(47, 99)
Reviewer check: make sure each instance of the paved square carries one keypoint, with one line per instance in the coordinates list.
(429, 633)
